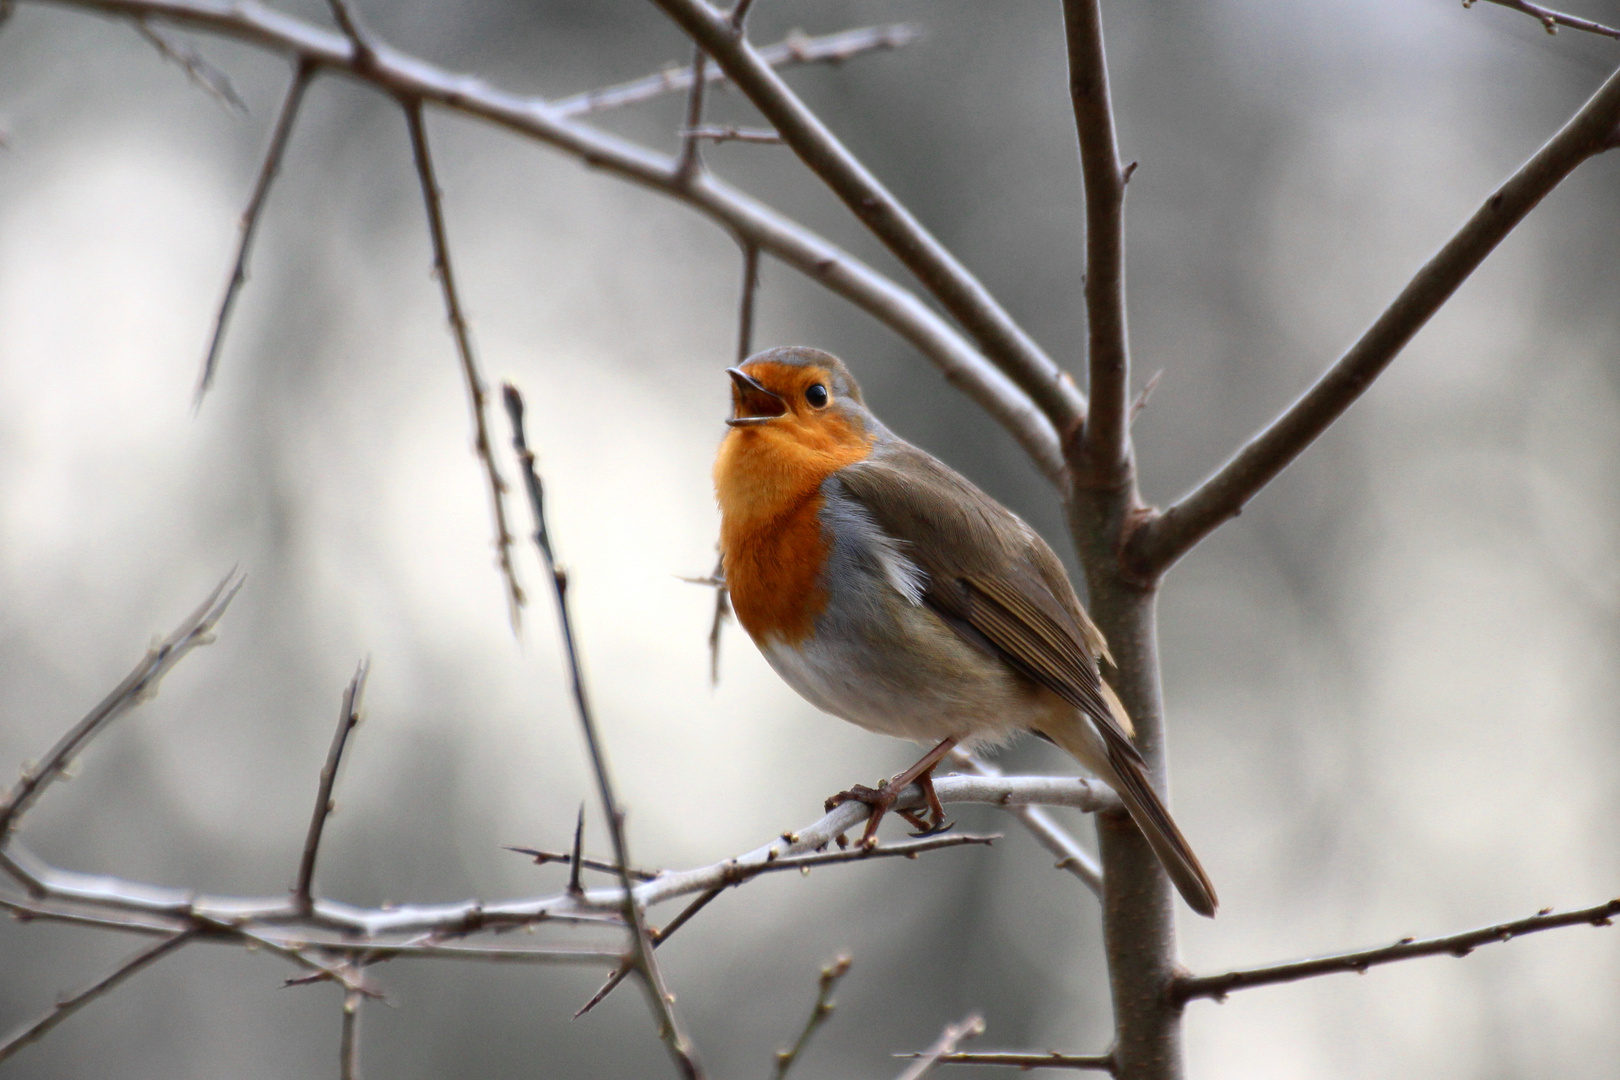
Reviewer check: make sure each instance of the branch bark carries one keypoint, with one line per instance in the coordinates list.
(1159, 542)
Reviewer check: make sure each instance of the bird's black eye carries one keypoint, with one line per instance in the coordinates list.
(816, 396)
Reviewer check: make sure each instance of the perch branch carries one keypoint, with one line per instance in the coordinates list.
(1159, 542)
(964, 366)
(796, 49)
(139, 685)
(819, 1012)
(641, 947)
(1459, 945)
(348, 719)
(476, 393)
(280, 133)
(70, 1005)
(1108, 350)
(1552, 20)
(962, 294)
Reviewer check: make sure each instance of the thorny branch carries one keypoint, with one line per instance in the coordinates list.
(1459, 945)
(348, 719)
(477, 394)
(1161, 540)
(641, 947)
(280, 133)
(214, 82)
(819, 1012)
(1552, 20)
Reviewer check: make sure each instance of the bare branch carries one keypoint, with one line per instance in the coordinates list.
(691, 159)
(669, 1028)
(796, 49)
(953, 1034)
(1552, 20)
(719, 134)
(68, 1006)
(722, 612)
(998, 334)
(365, 51)
(964, 366)
(658, 938)
(1160, 541)
(1026, 1061)
(819, 1012)
(476, 393)
(212, 80)
(348, 718)
(349, 1045)
(1048, 833)
(139, 685)
(745, 311)
(1107, 424)
(1459, 945)
(280, 133)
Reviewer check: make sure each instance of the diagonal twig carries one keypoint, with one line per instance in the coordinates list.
(670, 1030)
(139, 685)
(348, 719)
(68, 1006)
(280, 133)
(1107, 424)
(1005, 342)
(477, 395)
(1218, 986)
(658, 936)
(213, 81)
(1552, 20)
(1048, 833)
(819, 1012)
(1160, 540)
(953, 1034)
(1026, 1061)
(796, 49)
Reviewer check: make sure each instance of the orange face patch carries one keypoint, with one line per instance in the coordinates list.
(767, 479)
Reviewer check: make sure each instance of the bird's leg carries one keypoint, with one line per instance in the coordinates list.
(881, 798)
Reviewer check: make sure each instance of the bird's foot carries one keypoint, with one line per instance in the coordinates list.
(928, 821)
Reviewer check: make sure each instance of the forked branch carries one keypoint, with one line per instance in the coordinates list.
(1160, 541)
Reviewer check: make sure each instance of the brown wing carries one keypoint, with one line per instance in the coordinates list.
(990, 577)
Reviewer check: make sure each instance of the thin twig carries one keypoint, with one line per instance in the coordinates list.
(68, 1006)
(1026, 1061)
(953, 1034)
(726, 133)
(1552, 20)
(819, 1012)
(1003, 340)
(670, 1030)
(365, 52)
(348, 718)
(659, 936)
(349, 1046)
(722, 612)
(1159, 541)
(739, 14)
(139, 685)
(1459, 945)
(1145, 395)
(280, 133)
(212, 80)
(835, 269)
(691, 159)
(1048, 833)
(476, 392)
(746, 304)
(542, 857)
(1107, 428)
(796, 49)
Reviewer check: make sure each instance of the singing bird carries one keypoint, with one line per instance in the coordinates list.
(890, 591)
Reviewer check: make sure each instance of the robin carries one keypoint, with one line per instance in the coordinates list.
(890, 591)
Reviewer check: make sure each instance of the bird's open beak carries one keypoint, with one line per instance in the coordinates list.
(754, 404)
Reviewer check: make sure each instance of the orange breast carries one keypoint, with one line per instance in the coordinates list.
(767, 480)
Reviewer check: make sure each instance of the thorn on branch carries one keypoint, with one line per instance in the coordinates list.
(1147, 392)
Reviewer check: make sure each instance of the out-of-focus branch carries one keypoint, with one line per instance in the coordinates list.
(819, 1012)
(691, 159)
(1552, 20)
(1159, 541)
(1459, 945)
(572, 861)
(641, 948)
(1024, 1062)
(726, 133)
(348, 719)
(477, 395)
(280, 133)
(214, 82)
(68, 1006)
(1048, 833)
(968, 301)
(139, 685)
(795, 49)
(1107, 426)
(349, 1044)
(954, 1034)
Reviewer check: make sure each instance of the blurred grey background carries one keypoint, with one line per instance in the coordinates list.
(1392, 683)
